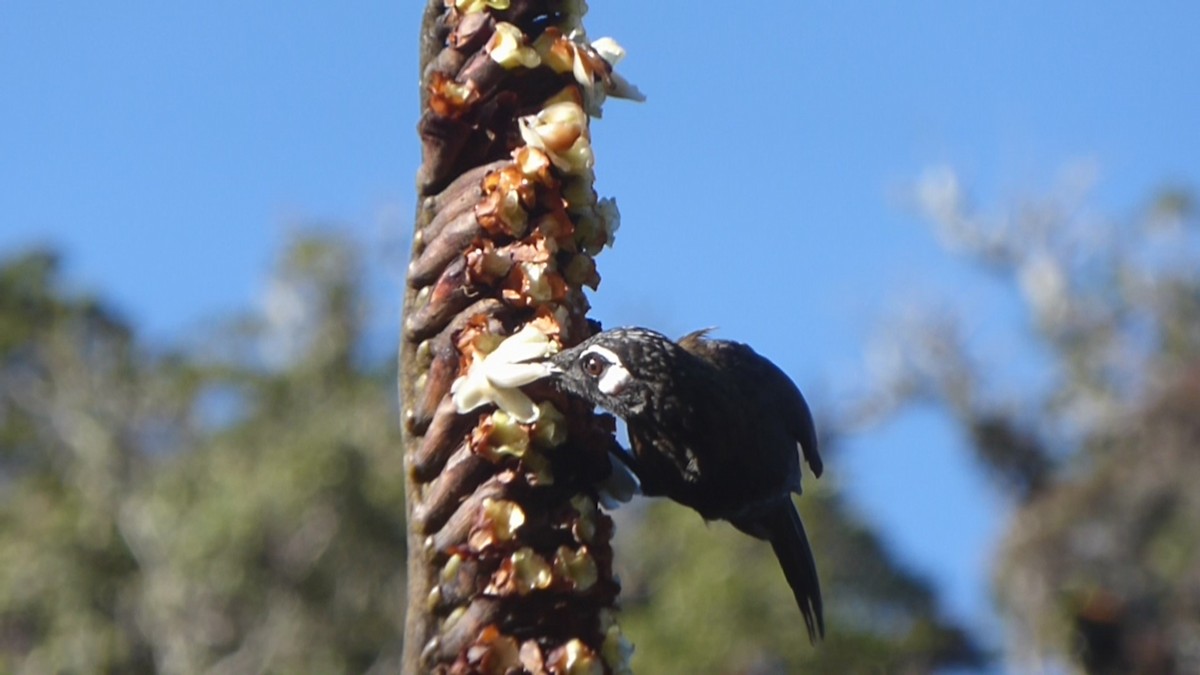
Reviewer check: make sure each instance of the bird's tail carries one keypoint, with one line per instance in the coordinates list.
(787, 537)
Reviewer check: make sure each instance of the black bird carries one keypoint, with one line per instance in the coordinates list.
(714, 426)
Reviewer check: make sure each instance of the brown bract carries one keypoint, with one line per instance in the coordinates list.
(494, 653)
(551, 321)
(581, 271)
(485, 264)
(496, 436)
(535, 165)
(475, 340)
(556, 50)
(532, 659)
(497, 523)
(521, 573)
(574, 658)
(555, 224)
(499, 438)
(448, 98)
(471, 32)
(449, 242)
(536, 248)
(576, 567)
(462, 474)
(438, 305)
(508, 194)
(565, 55)
(530, 284)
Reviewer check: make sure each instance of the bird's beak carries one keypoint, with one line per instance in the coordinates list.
(553, 369)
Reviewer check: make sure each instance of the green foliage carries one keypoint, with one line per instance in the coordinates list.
(704, 598)
(139, 535)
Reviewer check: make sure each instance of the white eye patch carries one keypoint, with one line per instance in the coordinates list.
(615, 377)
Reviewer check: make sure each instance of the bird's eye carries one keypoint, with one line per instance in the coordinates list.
(594, 365)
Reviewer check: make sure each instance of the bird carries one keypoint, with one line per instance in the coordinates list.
(714, 426)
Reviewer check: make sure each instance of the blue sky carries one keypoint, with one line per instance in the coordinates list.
(170, 148)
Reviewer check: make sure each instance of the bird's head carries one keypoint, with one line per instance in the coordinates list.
(616, 369)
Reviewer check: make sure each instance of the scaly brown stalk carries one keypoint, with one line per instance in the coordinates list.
(510, 561)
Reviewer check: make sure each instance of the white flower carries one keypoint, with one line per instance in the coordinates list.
(507, 47)
(610, 216)
(609, 50)
(495, 378)
(616, 86)
(619, 87)
(477, 6)
(561, 131)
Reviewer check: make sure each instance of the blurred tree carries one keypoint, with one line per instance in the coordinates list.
(75, 399)
(1101, 565)
(186, 513)
(702, 598)
(277, 542)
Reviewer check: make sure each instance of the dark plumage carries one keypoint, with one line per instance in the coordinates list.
(714, 426)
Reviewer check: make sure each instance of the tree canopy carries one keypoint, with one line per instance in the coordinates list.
(1100, 566)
